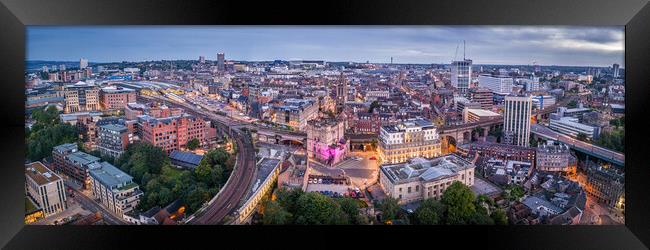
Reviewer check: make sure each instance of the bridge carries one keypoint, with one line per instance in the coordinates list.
(584, 147)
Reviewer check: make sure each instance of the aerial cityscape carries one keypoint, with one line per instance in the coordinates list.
(325, 125)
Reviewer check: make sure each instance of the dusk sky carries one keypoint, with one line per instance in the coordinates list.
(546, 45)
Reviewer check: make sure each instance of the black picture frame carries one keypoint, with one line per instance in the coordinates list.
(634, 14)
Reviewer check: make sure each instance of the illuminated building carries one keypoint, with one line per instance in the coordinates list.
(605, 185)
(45, 188)
(267, 173)
(477, 115)
(113, 188)
(421, 179)
(409, 139)
(325, 140)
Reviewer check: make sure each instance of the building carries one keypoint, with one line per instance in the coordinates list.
(59, 153)
(497, 84)
(326, 142)
(173, 132)
(409, 139)
(45, 188)
(478, 115)
(571, 127)
(295, 112)
(483, 96)
(502, 152)
(607, 186)
(461, 75)
(507, 172)
(267, 173)
(366, 123)
(76, 167)
(221, 66)
(543, 101)
(516, 119)
(83, 63)
(462, 103)
(421, 179)
(117, 98)
(112, 140)
(616, 69)
(115, 189)
(81, 96)
(553, 158)
(133, 110)
(341, 92)
(187, 160)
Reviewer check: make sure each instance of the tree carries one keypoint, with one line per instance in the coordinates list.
(193, 144)
(350, 207)
(274, 214)
(315, 208)
(572, 104)
(389, 208)
(429, 213)
(459, 202)
(499, 217)
(41, 141)
(288, 198)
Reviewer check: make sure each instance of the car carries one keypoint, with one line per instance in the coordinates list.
(373, 158)
(320, 181)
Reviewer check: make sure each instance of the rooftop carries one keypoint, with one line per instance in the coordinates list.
(40, 174)
(264, 168)
(483, 112)
(114, 127)
(82, 158)
(110, 176)
(186, 157)
(426, 170)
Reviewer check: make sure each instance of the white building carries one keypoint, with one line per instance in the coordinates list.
(83, 63)
(498, 84)
(422, 179)
(516, 119)
(543, 101)
(114, 188)
(461, 75)
(476, 115)
(45, 188)
(409, 139)
(571, 127)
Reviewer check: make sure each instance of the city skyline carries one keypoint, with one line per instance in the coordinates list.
(508, 45)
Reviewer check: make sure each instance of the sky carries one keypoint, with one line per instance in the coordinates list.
(522, 45)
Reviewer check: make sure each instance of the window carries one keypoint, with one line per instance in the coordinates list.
(409, 190)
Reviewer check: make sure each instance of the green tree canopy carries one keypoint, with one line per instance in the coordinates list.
(389, 208)
(459, 202)
(317, 209)
(430, 212)
(193, 144)
(274, 214)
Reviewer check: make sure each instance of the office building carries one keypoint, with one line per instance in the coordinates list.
(615, 69)
(325, 140)
(113, 188)
(543, 101)
(421, 179)
(83, 63)
(461, 75)
(45, 188)
(81, 96)
(221, 66)
(59, 153)
(516, 119)
(294, 113)
(409, 139)
(173, 132)
(112, 140)
(482, 96)
(114, 98)
(497, 84)
(478, 115)
(572, 127)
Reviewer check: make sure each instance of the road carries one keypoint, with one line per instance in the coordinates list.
(89, 204)
(603, 152)
(229, 197)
